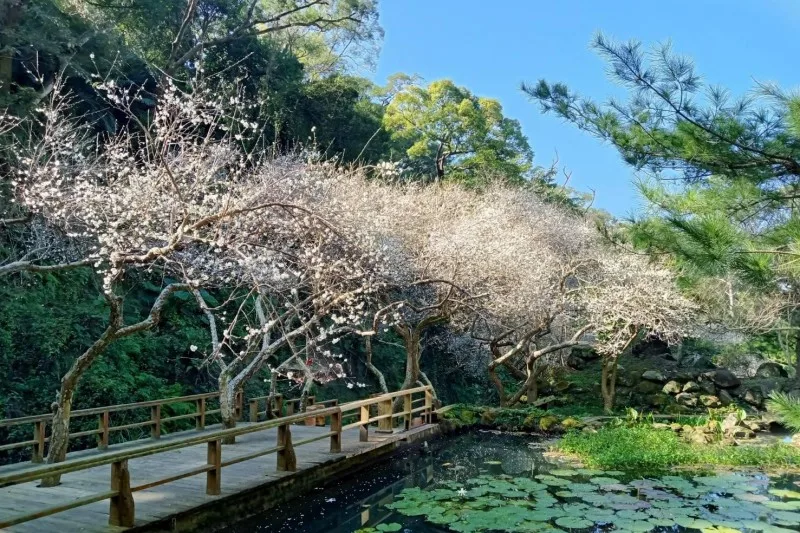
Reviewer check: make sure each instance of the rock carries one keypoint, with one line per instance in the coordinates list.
(672, 387)
(647, 387)
(725, 398)
(585, 353)
(743, 433)
(754, 397)
(691, 386)
(729, 423)
(753, 425)
(796, 439)
(686, 399)
(571, 423)
(661, 425)
(677, 428)
(547, 422)
(654, 375)
(770, 369)
(575, 362)
(650, 348)
(710, 401)
(697, 435)
(658, 400)
(683, 377)
(722, 377)
(707, 387)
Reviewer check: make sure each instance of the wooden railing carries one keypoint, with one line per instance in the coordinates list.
(120, 493)
(105, 426)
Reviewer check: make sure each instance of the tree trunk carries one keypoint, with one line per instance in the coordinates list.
(227, 405)
(372, 368)
(59, 439)
(608, 383)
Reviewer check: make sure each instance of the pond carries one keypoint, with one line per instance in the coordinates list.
(485, 482)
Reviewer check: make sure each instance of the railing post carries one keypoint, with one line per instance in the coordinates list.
(155, 418)
(290, 407)
(428, 406)
(102, 437)
(254, 410)
(214, 475)
(287, 461)
(385, 425)
(278, 406)
(121, 506)
(336, 431)
(37, 450)
(407, 407)
(200, 419)
(363, 429)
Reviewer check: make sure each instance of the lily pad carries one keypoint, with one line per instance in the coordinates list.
(573, 522)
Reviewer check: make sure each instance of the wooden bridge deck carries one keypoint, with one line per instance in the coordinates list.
(179, 496)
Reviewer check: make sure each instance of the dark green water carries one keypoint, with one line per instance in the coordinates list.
(502, 483)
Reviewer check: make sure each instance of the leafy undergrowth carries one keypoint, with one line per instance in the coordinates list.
(647, 449)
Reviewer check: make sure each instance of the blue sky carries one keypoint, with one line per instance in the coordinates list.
(490, 47)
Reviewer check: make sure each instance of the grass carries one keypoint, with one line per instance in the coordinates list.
(643, 448)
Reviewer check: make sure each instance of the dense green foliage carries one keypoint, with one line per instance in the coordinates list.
(644, 448)
(786, 408)
(721, 178)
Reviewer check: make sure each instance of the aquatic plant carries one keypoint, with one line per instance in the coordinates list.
(582, 499)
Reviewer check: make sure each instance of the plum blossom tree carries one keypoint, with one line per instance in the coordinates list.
(179, 197)
(551, 283)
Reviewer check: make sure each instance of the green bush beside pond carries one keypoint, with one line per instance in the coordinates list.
(648, 449)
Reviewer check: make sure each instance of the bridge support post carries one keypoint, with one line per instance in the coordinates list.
(363, 429)
(102, 436)
(121, 506)
(407, 407)
(336, 432)
(428, 406)
(385, 425)
(254, 410)
(239, 404)
(287, 461)
(37, 449)
(214, 475)
(278, 406)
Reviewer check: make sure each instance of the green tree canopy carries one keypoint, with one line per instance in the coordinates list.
(722, 175)
(456, 135)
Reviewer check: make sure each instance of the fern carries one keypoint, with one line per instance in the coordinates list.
(786, 408)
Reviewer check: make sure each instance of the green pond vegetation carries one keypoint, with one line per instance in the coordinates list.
(566, 499)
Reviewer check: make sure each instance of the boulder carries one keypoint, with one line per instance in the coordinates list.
(577, 363)
(654, 375)
(647, 387)
(683, 377)
(754, 397)
(770, 369)
(796, 439)
(743, 433)
(725, 398)
(658, 400)
(687, 399)
(691, 386)
(672, 387)
(707, 387)
(724, 378)
(710, 401)
(729, 423)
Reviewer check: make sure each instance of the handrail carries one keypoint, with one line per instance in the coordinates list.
(104, 426)
(121, 508)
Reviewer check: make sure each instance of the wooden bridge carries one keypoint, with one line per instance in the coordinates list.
(161, 482)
